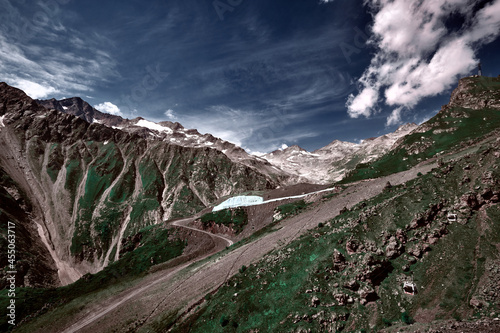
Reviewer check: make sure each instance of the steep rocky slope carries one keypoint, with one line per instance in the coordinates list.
(34, 265)
(332, 162)
(167, 131)
(89, 186)
(477, 92)
(423, 251)
(437, 235)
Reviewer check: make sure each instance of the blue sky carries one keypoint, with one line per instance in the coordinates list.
(259, 73)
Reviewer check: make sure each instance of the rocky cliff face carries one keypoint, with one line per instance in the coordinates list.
(475, 97)
(34, 264)
(89, 185)
(166, 131)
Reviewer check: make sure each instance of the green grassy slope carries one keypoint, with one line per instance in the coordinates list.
(452, 127)
(300, 287)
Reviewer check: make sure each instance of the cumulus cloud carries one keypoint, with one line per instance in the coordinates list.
(170, 114)
(361, 104)
(418, 55)
(110, 108)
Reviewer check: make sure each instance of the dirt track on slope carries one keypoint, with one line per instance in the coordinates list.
(179, 288)
(184, 224)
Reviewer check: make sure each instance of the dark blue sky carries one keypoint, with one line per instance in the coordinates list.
(259, 73)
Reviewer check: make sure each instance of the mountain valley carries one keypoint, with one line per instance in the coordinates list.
(115, 229)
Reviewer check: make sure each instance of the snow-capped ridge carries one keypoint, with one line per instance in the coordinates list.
(332, 161)
(172, 132)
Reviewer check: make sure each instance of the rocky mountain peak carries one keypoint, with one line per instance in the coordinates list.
(13, 100)
(337, 144)
(294, 148)
(331, 162)
(476, 92)
(87, 184)
(408, 127)
(165, 131)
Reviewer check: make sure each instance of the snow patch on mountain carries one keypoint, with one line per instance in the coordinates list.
(330, 163)
(153, 126)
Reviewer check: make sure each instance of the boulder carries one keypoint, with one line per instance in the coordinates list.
(352, 285)
(367, 294)
(353, 246)
(338, 257)
(487, 194)
(341, 299)
(470, 200)
(393, 249)
(401, 236)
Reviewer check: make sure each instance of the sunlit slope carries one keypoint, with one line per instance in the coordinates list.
(473, 113)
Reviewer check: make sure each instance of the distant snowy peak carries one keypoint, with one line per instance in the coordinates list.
(406, 128)
(165, 130)
(331, 162)
(337, 149)
(154, 126)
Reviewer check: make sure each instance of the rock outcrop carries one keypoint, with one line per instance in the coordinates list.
(91, 185)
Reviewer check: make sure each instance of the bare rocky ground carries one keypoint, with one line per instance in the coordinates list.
(481, 326)
(173, 291)
(293, 190)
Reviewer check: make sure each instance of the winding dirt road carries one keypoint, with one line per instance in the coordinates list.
(183, 224)
(173, 291)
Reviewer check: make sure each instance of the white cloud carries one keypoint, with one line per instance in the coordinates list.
(417, 56)
(229, 124)
(170, 115)
(395, 117)
(110, 108)
(255, 153)
(284, 146)
(33, 89)
(361, 104)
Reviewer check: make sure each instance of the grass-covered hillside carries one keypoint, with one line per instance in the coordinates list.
(348, 273)
(473, 112)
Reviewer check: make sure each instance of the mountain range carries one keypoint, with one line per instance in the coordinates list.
(294, 164)
(113, 214)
